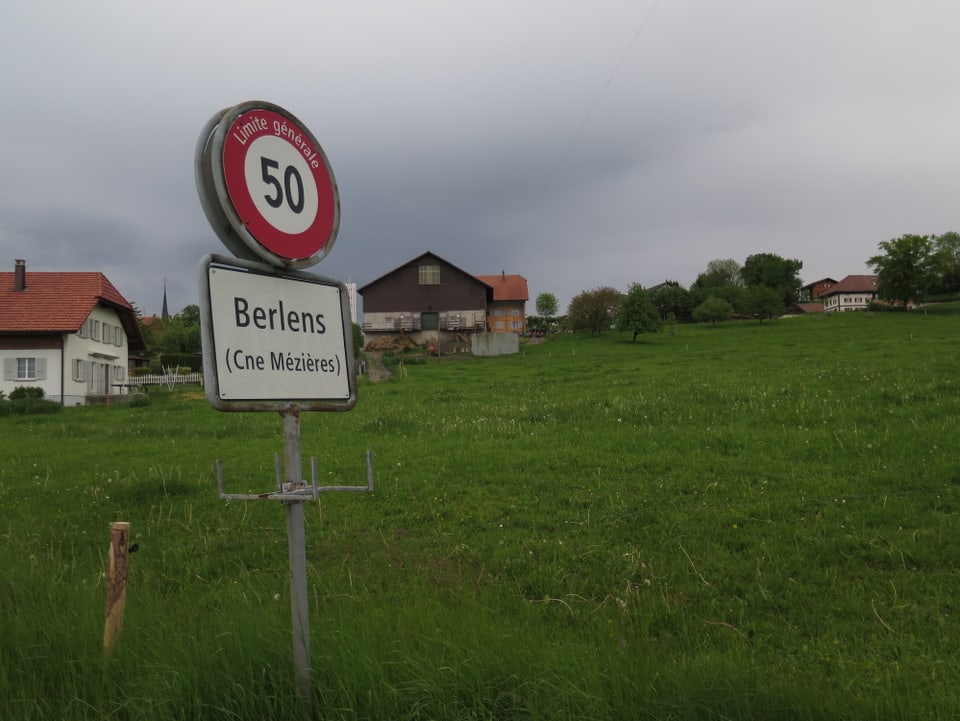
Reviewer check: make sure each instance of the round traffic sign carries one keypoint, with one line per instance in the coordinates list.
(273, 194)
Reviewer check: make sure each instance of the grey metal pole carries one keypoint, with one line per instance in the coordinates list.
(296, 549)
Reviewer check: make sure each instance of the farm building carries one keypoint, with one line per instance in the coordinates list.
(70, 333)
(816, 290)
(507, 311)
(855, 292)
(431, 299)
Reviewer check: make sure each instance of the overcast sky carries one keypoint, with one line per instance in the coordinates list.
(579, 143)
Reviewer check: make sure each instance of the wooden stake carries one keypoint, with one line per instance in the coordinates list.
(116, 583)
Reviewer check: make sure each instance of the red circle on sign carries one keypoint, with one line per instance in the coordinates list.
(273, 185)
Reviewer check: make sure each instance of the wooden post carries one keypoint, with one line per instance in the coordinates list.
(116, 583)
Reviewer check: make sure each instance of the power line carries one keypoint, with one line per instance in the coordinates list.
(606, 86)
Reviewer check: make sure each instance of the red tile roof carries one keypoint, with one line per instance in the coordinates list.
(812, 307)
(854, 284)
(54, 302)
(506, 287)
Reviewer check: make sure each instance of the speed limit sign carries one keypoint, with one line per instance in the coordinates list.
(266, 186)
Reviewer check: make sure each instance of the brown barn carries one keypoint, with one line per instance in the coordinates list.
(427, 293)
(431, 299)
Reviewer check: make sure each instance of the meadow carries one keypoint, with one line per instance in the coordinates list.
(741, 521)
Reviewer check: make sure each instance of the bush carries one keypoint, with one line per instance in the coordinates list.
(21, 392)
(191, 361)
(29, 406)
(139, 400)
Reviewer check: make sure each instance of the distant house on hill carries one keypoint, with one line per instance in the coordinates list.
(507, 312)
(431, 299)
(855, 292)
(664, 284)
(816, 290)
(70, 333)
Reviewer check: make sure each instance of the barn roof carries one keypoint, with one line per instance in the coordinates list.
(412, 261)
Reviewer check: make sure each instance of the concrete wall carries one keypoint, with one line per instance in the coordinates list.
(494, 343)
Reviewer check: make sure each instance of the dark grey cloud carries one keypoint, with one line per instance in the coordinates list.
(578, 143)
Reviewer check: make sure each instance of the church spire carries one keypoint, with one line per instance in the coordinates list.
(164, 314)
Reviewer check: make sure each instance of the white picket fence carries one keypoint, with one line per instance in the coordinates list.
(167, 379)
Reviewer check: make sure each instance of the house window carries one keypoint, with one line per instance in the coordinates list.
(78, 369)
(429, 275)
(26, 369)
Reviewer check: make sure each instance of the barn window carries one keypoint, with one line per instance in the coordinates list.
(429, 275)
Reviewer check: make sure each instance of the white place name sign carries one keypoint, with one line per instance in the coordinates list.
(276, 338)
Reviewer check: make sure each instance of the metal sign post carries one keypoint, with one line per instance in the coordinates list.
(297, 553)
(275, 338)
(293, 492)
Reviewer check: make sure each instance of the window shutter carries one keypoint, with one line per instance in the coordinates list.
(9, 369)
(41, 369)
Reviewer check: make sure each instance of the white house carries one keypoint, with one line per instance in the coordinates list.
(69, 333)
(855, 292)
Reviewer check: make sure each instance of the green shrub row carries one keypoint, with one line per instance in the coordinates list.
(28, 406)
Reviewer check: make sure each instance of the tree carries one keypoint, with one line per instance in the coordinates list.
(638, 314)
(594, 309)
(722, 278)
(763, 302)
(732, 294)
(713, 309)
(948, 256)
(190, 315)
(672, 301)
(907, 270)
(180, 334)
(546, 305)
(721, 272)
(771, 271)
(357, 334)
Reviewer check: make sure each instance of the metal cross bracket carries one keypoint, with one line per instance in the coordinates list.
(294, 491)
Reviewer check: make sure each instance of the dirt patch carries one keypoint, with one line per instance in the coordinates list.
(376, 370)
(394, 344)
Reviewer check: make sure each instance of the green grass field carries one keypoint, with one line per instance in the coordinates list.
(747, 521)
